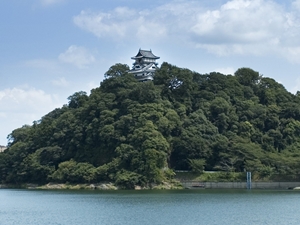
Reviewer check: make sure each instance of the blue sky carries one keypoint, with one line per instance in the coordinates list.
(50, 49)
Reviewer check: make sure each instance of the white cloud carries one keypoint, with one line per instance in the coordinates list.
(296, 86)
(25, 99)
(91, 85)
(2, 115)
(61, 82)
(20, 106)
(122, 22)
(51, 2)
(241, 26)
(78, 56)
(225, 70)
(296, 5)
(102, 24)
(237, 27)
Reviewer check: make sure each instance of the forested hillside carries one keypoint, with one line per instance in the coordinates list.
(135, 133)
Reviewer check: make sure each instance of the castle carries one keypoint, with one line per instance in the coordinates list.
(144, 66)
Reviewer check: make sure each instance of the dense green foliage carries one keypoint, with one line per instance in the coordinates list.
(135, 133)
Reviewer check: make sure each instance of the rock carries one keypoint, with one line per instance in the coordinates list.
(92, 186)
(105, 186)
(31, 186)
(54, 186)
(137, 188)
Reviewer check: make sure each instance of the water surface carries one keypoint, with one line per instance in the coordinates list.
(187, 207)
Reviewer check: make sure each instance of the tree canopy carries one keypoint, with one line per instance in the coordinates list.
(135, 133)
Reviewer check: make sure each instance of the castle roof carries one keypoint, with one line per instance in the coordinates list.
(145, 54)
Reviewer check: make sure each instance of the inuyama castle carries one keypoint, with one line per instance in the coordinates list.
(144, 66)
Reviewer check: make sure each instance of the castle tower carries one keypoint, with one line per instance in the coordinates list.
(144, 66)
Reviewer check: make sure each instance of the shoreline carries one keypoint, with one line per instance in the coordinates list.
(164, 186)
(242, 185)
(97, 186)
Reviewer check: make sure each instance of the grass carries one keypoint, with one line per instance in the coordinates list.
(211, 176)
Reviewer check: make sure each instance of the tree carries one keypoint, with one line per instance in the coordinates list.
(117, 70)
(71, 171)
(77, 99)
(197, 165)
(194, 142)
(133, 133)
(19, 135)
(247, 76)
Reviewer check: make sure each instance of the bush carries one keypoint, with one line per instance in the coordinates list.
(73, 172)
(197, 165)
(126, 179)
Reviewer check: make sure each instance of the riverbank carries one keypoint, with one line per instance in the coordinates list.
(109, 186)
(97, 186)
(163, 186)
(240, 185)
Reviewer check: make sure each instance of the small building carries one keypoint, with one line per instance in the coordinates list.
(144, 66)
(2, 148)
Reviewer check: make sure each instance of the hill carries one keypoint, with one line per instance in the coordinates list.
(136, 133)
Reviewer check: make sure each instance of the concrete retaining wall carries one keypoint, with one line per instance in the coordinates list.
(240, 185)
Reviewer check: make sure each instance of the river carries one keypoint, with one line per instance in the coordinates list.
(188, 207)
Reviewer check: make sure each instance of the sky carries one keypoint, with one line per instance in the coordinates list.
(50, 49)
